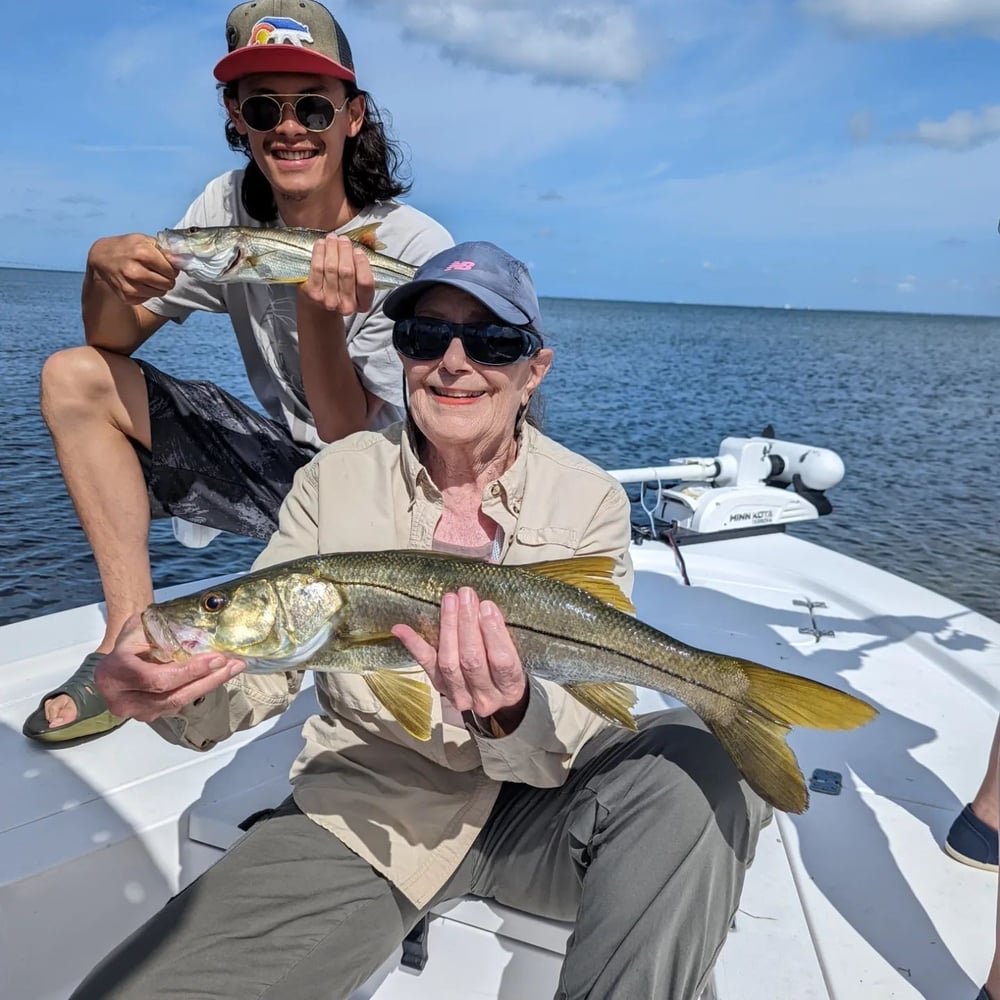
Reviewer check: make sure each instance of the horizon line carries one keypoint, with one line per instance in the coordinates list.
(655, 302)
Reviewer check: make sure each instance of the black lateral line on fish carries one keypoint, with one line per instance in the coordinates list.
(395, 589)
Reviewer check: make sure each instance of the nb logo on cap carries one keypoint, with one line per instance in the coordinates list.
(461, 265)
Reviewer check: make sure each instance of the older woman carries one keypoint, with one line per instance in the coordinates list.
(521, 794)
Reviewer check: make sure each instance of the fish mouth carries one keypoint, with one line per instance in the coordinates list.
(169, 643)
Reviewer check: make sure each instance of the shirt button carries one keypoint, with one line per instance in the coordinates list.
(495, 490)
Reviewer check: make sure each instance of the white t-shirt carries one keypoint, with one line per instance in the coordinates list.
(264, 316)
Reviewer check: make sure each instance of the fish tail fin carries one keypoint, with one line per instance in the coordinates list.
(755, 738)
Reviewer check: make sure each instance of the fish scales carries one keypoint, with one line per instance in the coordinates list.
(226, 254)
(569, 621)
(558, 627)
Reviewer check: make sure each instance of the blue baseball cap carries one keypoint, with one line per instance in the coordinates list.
(501, 282)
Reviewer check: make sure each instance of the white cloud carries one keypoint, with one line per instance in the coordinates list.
(587, 41)
(860, 126)
(870, 193)
(658, 169)
(908, 285)
(488, 126)
(960, 130)
(910, 17)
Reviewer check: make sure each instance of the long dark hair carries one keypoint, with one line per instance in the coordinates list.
(373, 163)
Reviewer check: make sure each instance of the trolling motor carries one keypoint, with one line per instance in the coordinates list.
(753, 485)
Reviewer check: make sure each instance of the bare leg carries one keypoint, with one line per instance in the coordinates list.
(993, 780)
(986, 804)
(993, 979)
(94, 402)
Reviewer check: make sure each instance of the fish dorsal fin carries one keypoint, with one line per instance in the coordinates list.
(610, 701)
(407, 699)
(365, 235)
(594, 574)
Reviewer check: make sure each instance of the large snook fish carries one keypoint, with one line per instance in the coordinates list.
(571, 623)
(243, 253)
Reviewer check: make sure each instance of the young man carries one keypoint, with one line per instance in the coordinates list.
(134, 442)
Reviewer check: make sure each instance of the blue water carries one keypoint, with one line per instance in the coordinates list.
(907, 401)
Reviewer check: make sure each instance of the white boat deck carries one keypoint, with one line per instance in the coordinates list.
(854, 900)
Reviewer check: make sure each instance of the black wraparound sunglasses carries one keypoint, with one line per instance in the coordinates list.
(262, 112)
(422, 338)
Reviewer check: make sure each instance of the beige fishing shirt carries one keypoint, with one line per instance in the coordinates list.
(409, 808)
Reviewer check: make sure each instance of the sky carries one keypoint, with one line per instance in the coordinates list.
(838, 154)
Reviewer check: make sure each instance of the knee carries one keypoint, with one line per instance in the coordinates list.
(679, 784)
(73, 381)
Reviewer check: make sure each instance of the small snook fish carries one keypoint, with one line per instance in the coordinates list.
(272, 256)
(571, 623)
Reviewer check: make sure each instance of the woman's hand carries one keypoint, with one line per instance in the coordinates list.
(133, 266)
(135, 688)
(476, 665)
(340, 277)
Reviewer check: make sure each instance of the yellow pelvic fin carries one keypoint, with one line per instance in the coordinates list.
(254, 259)
(406, 698)
(755, 737)
(610, 701)
(594, 574)
(359, 637)
(365, 236)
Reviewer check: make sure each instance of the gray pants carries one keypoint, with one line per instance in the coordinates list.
(645, 846)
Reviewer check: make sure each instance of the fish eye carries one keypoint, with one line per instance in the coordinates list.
(191, 230)
(213, 602)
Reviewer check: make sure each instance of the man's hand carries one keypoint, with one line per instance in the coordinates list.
(138, 689)
(476, 665)
(133, 266)
(340, 277)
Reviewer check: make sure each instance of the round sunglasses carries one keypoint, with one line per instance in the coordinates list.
(422, 338)
(262, 112)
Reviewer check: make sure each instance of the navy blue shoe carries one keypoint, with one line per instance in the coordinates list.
(974, 843)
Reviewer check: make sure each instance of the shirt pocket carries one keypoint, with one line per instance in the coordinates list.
(347, 694)
(550, 542)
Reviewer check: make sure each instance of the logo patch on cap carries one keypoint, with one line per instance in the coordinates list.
(280, 31)
(461, 265)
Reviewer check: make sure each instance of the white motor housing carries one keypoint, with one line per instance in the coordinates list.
(761, 460)
(744, 488)
(707, 509)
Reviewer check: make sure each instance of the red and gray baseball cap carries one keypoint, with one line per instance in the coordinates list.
(501, 282)
(284, 36)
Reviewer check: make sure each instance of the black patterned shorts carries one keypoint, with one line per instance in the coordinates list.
(215, 461)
